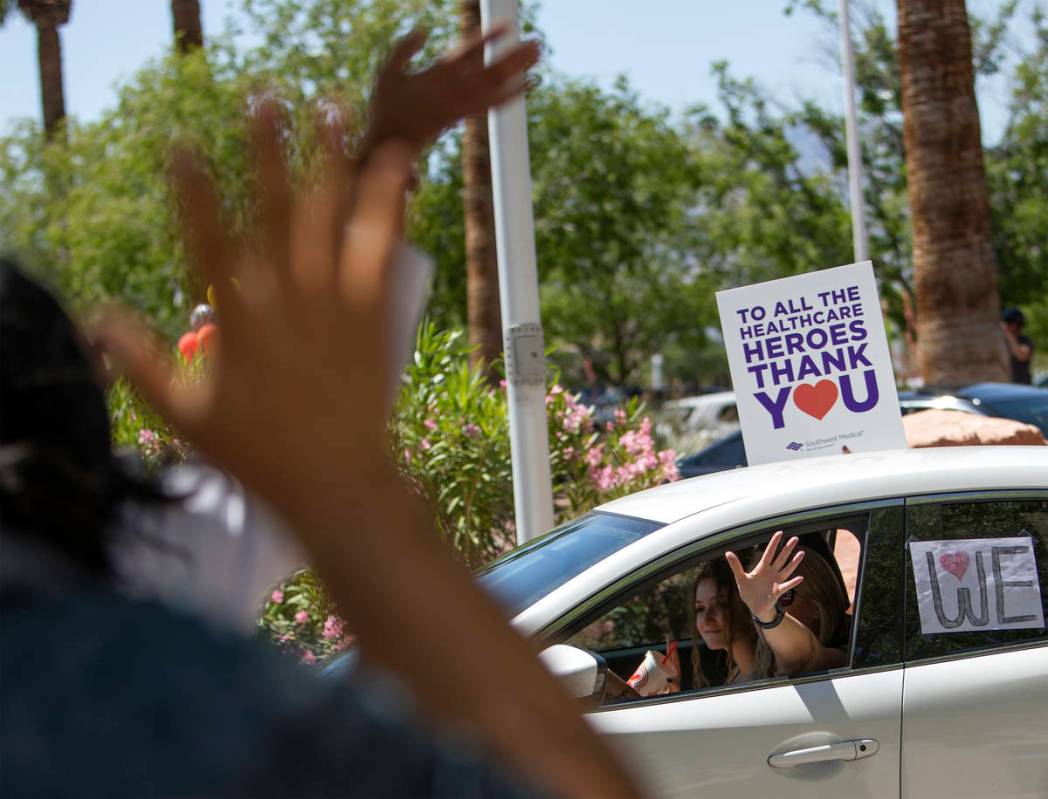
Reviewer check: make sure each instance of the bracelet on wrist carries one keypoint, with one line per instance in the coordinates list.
(780, 613)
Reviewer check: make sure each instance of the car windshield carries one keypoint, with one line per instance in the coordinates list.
(525, 575)
(1031, 410)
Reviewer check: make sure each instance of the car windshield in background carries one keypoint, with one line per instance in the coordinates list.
(522, 577)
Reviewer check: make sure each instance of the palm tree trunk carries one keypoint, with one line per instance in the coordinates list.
(52, 93)
(48, 16)
(958, 337)
(189, 34)
(482, 285)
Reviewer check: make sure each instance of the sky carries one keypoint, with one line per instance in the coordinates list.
(665, 47)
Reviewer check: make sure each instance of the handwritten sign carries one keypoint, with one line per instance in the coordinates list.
(810, 364)
(977, 584)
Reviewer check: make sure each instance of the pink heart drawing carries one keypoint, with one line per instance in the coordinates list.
(816, 399)
(956, 563)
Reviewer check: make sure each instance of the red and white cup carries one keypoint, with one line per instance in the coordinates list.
(655, 672)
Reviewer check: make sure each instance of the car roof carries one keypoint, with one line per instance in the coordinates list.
(991, 392)
(807, 482)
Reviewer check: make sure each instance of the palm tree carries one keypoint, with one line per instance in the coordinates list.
(958, 337)
(189, 33)
(47, 16)
(482, 285)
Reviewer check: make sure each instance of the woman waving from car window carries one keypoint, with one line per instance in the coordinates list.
(798, 606)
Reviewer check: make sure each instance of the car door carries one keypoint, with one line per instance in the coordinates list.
(842, 726)
(975, 703)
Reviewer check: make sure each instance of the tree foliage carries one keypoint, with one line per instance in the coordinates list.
(640, 214)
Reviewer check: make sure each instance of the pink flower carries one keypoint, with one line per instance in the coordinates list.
(277, 596)
(620, 415)
(624, 474)
(471, 430)
(557, 389)
(430, 424)
(668, 460)
(146, 437)
(332, 628)
(301, 617)
(603, 479)
(594, 455)
(503, 384)
(424, 444)
(576, 418)
(638, 442)
(569, 452)
(309, 657)
(407, 455)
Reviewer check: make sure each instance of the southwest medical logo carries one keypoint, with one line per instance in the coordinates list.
(795, 446)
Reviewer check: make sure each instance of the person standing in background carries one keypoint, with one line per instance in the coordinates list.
(1020, 347)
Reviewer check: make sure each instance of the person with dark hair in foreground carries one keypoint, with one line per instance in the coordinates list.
(106, 695)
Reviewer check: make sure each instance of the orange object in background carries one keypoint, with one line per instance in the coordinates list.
(188, 344)
(207, 335)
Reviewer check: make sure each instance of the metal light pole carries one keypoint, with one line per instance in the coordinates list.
(860, 242)
(519, 296)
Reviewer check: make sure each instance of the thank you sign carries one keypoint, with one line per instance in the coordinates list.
(810, 364)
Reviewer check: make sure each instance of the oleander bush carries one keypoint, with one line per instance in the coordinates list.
(449, 439)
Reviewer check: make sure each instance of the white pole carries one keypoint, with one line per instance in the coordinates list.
(860, 243)
(519, 293)
(656, 372)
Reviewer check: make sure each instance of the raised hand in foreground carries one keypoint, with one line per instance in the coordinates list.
(294, 406)
(415, 107)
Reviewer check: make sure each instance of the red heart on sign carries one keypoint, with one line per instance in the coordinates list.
(816, 400)
(956, 563)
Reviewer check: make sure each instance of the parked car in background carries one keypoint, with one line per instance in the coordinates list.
(1027, 404)
(691, 423)
(1003, 400)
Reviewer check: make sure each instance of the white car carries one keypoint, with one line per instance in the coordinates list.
(693, 422)
(918, 711)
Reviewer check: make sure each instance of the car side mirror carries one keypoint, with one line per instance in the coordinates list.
(582, 673)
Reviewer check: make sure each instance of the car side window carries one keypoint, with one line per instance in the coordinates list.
(878, 641)
(976, 574)
(650, 617)
(670, 608)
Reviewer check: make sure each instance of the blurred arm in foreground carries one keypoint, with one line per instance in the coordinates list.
(312, 309)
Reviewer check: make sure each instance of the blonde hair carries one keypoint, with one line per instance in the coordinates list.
(737, 620)
(822, 587)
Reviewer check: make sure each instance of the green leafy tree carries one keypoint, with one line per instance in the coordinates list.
(110, 231)
(95, 211)
(1017, 170)
(763, 212)
(614, 182)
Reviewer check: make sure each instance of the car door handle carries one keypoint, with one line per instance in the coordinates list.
(843, 750)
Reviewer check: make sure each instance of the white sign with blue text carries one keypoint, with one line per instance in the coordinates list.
(810, 365)
(977, 584)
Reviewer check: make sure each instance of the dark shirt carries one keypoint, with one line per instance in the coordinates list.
(1021, 369)
(104, 696)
